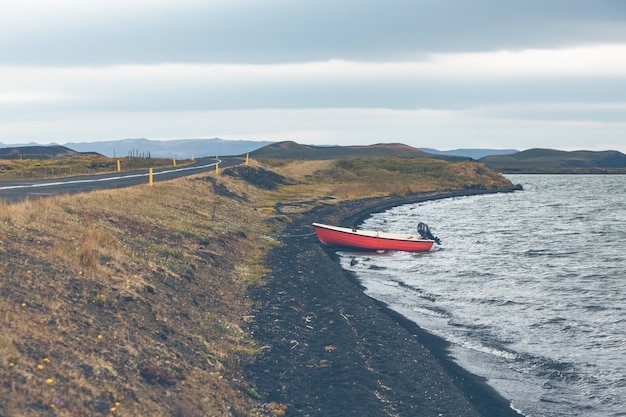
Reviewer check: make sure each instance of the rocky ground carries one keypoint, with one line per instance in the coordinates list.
(330, 350)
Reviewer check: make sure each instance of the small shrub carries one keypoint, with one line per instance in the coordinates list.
(155, 375)
(252, 393)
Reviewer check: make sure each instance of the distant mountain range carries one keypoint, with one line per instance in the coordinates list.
(186, 148)
(550, 160)
(178, 148)
(471, 153)
(507, 161)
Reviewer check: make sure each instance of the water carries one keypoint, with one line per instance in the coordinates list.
(529, 288)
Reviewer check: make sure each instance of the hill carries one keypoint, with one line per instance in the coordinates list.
(293, 150)
(550, 160)
(38, 152)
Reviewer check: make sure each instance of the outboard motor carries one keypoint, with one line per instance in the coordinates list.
(424, 231)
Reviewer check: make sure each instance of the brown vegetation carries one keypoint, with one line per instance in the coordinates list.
(366, 177)
(98, 288)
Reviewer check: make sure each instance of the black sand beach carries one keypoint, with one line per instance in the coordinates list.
(330, 350)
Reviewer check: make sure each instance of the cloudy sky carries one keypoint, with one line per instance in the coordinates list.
(443, 74)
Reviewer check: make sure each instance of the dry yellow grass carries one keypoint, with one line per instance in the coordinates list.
(358, 178)
(95, 286)
(302, 169)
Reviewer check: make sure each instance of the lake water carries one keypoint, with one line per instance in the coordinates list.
(528, 287)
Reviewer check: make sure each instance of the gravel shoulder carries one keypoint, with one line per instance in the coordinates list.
(328, 349)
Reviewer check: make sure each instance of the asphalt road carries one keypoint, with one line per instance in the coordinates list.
(18, 190)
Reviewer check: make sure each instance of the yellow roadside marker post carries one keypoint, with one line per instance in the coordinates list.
(151, 182)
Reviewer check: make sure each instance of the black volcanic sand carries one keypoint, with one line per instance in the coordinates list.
(330, 350)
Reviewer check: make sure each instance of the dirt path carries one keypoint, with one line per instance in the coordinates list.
(330, 350)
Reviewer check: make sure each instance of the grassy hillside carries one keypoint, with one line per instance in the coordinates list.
(127, 302)
(37, 152)
(133, 302)
(357, 177)
(550, 160)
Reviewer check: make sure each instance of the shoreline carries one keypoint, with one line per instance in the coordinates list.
(328, 349)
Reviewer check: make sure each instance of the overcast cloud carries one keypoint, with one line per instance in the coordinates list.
(441, 73)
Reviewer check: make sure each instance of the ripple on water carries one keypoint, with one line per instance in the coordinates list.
(528, 288)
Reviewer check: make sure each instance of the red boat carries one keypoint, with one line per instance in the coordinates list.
(370, 240)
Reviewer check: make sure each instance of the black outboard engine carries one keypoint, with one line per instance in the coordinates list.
(424, 231)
